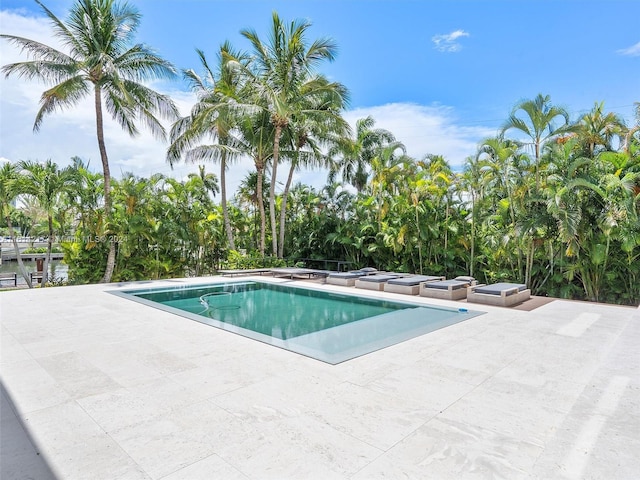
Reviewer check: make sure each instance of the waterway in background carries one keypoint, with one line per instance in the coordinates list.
(57, 270)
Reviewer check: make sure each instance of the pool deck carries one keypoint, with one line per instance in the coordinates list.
(95, 386)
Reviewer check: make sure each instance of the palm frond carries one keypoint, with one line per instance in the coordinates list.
(39, 50)
(140, 63)
(65, 94)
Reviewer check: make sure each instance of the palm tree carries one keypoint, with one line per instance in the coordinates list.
(596, 128)
(497, 155)
(9, 190)
(46, 183)
(317, 125)
(215, 116)
(537, 124)
(282, 73)
(207, 181)
(102, 62)
(248, 194)
(257, 141)
(472, 186)
(389, 164)
(354, 156)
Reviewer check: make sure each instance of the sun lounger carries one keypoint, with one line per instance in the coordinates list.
(409, 285)
(348, 279)
(376, 282)
(455, 289)
(499, 294)
(297, 272)
(248, 271)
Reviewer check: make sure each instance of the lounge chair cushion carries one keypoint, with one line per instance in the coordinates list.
(354, 274)
(498, 288)
(368, 270)
(378, 278)
(465, 279)
(445, 284)
(413, 280)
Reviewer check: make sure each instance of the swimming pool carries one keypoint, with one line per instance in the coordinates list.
(331, 327)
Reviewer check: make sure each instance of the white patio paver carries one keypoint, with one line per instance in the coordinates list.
(96, 386)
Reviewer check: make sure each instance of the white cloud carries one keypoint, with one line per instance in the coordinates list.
(632, 51)
(426, 130)
(447, 42)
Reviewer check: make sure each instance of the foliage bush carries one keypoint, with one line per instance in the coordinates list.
(237, 260)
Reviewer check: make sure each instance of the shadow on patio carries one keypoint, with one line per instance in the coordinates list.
(20, 456)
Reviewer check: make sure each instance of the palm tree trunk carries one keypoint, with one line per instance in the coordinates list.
(111, 257)
(419, 240)
(263, 222)
(23, 270)
(473, 234)
(47, 258)
(537, 166)
(223, 201)
(283, 208)
(446, 228)
(272, 189)
(529, 263)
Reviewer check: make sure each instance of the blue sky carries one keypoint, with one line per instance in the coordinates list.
(441, 75)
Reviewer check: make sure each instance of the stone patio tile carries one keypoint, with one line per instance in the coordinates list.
(529, 392)
(276, 397)
(444, 449)
(175, 439)
(11, 350)
(76, 375)
(589, 455)
(265, 449)
(423, 385)
(226, 376)
(299, 448)
(510, 417)
(376, 418)
(76, 447)
(208, 468)
(32, 387)
(379, 419)
(122, 407)
(128, 362)
(479, 356)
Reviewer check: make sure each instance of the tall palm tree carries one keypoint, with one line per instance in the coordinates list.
(283, 74)
(9, 190)
(354, 155)
(215, 116)
(538, 123)
(472, 186)
(257, 141)
(248, 194)
(47, 184)
(497, 156)
(101, 61)
(317, 125)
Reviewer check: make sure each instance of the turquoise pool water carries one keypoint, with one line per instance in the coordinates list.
(329, 326)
